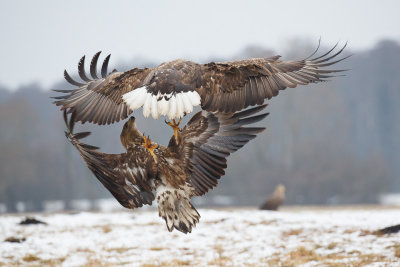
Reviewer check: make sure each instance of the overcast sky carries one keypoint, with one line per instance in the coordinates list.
(39, 39)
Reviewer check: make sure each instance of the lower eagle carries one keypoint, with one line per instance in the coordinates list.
(191, 164)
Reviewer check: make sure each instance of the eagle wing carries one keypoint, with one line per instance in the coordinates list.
(126, 176)
(174, 88)
(232, 86)
(207, 141)
(99, 100)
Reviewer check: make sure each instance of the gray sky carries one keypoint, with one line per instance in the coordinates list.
(39, 39)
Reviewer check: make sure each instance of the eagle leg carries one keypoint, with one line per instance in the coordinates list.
(149, 146)
(175, 126)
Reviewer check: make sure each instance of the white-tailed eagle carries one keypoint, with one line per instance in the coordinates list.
(275, 200)
(174, 88)
(190, 165)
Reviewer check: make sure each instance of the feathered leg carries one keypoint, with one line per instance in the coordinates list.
(175, 208)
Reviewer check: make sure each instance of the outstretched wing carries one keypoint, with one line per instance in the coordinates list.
(125, 176)
(174, 88)
(232, 86)
(207, 141)
(99, 100)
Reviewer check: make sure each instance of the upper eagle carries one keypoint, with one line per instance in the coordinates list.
(174, 88)
(190, 165)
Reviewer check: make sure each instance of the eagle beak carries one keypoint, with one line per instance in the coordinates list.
(132, 119)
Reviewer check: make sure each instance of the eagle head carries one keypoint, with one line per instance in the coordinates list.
(130, 135)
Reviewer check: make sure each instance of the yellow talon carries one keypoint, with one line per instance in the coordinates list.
(149, 146)
(175, 126)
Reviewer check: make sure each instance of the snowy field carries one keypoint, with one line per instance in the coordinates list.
(237, 237)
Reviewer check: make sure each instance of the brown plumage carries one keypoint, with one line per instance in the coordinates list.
(190, 166)
(174, 88)
(275, 200)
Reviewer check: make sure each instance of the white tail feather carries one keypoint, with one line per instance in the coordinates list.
(173, 105)
(147, 106)
(154, 107)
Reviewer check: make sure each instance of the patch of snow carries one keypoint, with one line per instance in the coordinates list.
(236, 236)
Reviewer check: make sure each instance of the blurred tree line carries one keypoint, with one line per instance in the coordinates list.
(329, 143)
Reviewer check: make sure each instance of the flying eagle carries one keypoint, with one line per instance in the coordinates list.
(173, 88)
(190, 165)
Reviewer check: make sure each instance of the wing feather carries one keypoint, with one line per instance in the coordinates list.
(104, 67)
(125, 176)
(93, 65)
(261, 78)
(207, 141)
(81, 70)
(98, 100)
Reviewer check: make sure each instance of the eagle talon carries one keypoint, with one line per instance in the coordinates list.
(175, 126)
(149, 146)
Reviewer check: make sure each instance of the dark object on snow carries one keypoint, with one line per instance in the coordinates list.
(275, 200)
(390, 230)
(31, 220)
(15, 239)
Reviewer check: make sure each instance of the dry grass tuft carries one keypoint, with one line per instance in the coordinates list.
(302, 255)
(156, 248)
(52, 262)
(366, 259)
(120, 249)
(263, 222)
(215, 221)
(292, 232)
(333, 256)
(97, 263)
(332, 245)
(150, 224)
(274, 261)
(268, 222)
(354, 252)
(30, 258)
(85, 250)
(106, 229)
(397, 250)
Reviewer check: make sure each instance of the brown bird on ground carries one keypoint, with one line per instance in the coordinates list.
(275, 200)
(174, 88)
(190, 166)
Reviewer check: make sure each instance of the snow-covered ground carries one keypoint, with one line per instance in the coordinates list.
(236, 237)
